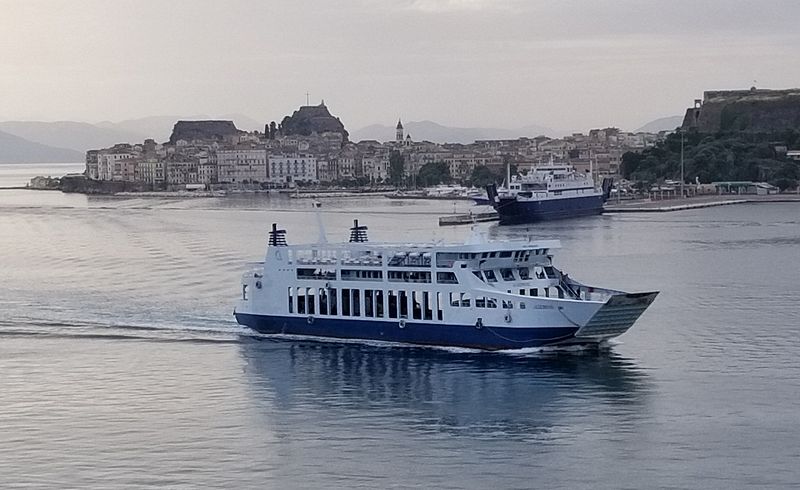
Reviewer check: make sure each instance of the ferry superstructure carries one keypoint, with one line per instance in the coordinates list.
(548, 192)
(484, 295)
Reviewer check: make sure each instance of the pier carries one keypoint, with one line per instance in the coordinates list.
(669, 205)
(639, 206)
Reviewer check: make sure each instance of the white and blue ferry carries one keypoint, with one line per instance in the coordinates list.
(480, 295)
(548, 192)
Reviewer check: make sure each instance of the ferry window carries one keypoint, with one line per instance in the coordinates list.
(444, 259)
(446, 278)
(291, 300)
(319, 274)
(379, 303)
(439, 312)
(535, 292)
(356, 295)
(508, 304)
(409, 276)
(522, 292)
(491, 303)
(521, 305)
(345, 302)
(323, 301)
(244, 292)
(484, 255)
(504, 255)
(361, 275)
(392, 304)
(333, 307)
(416, 305)
(490, 276)
(550, 272)
(492, 255)
(402, 298)
(507, 274)
(301, 300)
(546, 292)
(465, 300)
(524, 273)
(369, 303)
(480, 302)
(310, 300)
(478, 275)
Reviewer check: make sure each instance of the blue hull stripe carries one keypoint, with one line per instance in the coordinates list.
(513, 211)
(491, 338)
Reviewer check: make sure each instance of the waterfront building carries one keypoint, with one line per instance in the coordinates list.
(242, 165)
(92, 158)
(285, 169)
(118, 164)
(151, 171)
(376, 167)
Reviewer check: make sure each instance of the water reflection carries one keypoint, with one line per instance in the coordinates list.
(436, 390)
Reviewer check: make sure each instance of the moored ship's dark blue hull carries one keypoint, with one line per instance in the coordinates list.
(489, 338)
(512, 211)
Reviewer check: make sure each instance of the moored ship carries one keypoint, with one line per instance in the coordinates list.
(484, 295)
(548, 192)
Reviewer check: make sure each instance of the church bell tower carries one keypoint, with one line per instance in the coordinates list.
(399, 134)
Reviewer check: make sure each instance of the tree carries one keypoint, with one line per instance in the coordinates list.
(483, 176)
(434, 173)
(397, 165)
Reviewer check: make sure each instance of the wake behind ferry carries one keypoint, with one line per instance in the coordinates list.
(483, 295)
(548, 192)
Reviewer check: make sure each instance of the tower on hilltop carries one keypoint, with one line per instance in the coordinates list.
(399, 134)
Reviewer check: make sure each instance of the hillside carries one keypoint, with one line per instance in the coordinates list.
(14, 149)
(661, 124)
(73, 135)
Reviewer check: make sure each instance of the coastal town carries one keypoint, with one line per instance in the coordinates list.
(312, 148)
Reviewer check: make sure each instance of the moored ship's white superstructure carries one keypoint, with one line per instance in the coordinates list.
(481, 295)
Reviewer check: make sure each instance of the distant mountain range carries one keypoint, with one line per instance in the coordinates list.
(14, 149)
(663, 124)
(68, 141)
(437, 133)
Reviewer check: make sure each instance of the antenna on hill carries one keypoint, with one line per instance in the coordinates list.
(308, 98)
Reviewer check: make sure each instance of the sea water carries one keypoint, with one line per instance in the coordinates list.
(121, 364)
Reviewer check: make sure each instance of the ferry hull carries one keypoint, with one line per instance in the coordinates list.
(512, 211)
(487, 338)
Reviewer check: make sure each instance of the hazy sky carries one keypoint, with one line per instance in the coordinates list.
(502, 63)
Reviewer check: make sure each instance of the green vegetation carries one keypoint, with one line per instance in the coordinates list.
(483, 176)
(434, 173)
(718, 157)
(397, 163)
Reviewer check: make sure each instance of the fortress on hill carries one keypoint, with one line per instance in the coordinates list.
(751, 111)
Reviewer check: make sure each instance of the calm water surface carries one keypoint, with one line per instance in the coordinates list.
(121, 365)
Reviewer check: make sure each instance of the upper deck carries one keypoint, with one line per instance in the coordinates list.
(426, 256)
